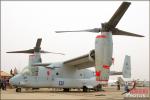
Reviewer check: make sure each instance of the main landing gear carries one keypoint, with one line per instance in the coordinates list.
(18, 89)
(85, 89)
(66, 89)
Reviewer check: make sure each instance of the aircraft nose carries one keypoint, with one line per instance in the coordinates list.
(15, 80)
(11, 81)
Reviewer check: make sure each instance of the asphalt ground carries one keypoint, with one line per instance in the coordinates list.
(48, 93)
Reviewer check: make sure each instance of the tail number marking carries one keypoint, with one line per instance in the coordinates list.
(61, 83)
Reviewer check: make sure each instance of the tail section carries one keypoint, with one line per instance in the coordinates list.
(126, 70)
(127, 67)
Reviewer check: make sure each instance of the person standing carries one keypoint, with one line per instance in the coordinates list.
(4, 83)
(118, 85)
(0, 83)
(126, 88)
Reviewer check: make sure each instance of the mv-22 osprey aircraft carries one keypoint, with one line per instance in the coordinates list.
(73, 73)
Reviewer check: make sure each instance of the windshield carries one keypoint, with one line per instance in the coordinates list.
(26, 71)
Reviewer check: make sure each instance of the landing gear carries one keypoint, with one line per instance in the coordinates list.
(85, 89)
(66, 89)
(18, 89)
(35, 88)
(98, 88)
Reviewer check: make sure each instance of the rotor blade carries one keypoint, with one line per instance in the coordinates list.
(22, 51)
(32, 51)
(121, 32)
(42, 51)
(95, 30)
(38, 43)
(118, 14)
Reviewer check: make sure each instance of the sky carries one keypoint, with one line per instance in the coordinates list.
(23, 22)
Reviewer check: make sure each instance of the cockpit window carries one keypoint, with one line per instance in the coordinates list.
(26, 71)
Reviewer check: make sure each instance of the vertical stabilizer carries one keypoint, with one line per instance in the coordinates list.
(127, 67)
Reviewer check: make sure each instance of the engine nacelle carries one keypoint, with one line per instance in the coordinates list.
(92, 55)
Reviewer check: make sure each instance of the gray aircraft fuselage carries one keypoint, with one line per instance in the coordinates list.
(60, 77)
(65, 77)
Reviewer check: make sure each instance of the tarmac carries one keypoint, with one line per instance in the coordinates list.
(47, 93)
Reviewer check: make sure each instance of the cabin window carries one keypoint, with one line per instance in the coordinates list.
(80, 74)
(93, 73)
(25, 77)
(57, 73)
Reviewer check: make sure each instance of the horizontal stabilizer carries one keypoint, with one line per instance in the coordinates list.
(115, 73)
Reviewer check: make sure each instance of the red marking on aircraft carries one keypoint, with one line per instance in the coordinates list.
(101, 36)
(98, 73)
(106, 67)
(48, 72)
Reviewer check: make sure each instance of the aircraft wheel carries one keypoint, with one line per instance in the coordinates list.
(66, 90)
(18, 90)
(35, 88)
(98, 87)
(85, 89)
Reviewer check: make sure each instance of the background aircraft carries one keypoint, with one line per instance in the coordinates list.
(100, 57)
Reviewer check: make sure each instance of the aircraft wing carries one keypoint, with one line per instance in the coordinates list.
(80, 62)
